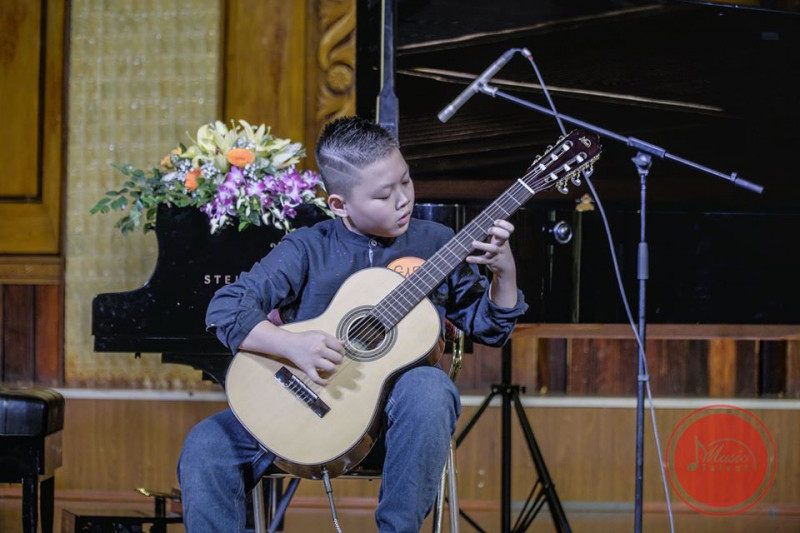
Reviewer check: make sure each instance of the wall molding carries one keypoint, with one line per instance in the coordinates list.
(31, 270)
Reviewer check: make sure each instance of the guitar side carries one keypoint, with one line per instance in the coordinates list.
(305, 435)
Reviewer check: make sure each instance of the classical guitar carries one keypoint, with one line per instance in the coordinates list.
(387, 325)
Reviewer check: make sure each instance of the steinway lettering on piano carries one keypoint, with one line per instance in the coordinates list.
(219, 279)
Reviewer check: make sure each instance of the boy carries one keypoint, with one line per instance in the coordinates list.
(371, 193)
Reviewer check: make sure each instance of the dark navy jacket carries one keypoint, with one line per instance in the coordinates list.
(302, 273)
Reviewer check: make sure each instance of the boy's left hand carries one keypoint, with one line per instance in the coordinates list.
(497, 254)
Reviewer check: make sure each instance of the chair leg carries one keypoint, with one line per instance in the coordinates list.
(438, 507)
(46, 503)
(30, 502)
(447, 488)
(452, 489)
(259, 518)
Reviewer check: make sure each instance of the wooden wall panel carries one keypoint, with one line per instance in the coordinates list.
(31, 335)
(683, 361)
(525, 356)
(18, 334)
(298, 74)
(697, 367)
(264, 64)
(20, 57)
(2, 334)
(49, 337)
(602, 366)
(793, 369)
(677, 367)
(554, 365)
(32, 58)
(721, 367)
(772, 370)
(746, 369)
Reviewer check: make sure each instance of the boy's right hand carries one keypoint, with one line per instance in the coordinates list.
(314, 352)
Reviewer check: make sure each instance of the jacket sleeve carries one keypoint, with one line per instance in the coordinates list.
(470, 308)
(274, 281)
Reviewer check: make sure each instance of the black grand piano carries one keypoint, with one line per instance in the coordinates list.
(710, 82)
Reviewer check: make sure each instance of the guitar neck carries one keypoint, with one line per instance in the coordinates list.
(433, 272)
(564, 161)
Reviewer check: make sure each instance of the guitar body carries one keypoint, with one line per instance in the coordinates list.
(308, 426)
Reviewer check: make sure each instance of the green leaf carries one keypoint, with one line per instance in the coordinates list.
(119, 204)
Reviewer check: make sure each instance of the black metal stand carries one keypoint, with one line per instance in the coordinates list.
(543, 491)
(642, 162)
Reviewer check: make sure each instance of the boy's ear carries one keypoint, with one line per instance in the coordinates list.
(337, 204)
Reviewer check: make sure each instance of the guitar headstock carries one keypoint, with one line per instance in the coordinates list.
(564, 162)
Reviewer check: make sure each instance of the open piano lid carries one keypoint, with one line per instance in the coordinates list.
(709, 82)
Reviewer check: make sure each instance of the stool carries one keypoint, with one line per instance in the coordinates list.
(30, 449)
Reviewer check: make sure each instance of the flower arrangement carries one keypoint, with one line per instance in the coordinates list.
(241, 175)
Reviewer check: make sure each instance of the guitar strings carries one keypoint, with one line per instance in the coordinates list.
(501, 208)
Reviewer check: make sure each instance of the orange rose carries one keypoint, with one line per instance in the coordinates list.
(191, 179)
(240, 157)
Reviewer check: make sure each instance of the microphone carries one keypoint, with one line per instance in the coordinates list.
(445, 114)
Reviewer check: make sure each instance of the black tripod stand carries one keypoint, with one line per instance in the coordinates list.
(543, 490)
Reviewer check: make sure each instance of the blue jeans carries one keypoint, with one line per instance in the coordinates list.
(220, 461)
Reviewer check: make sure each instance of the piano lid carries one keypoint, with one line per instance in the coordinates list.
(707, 82)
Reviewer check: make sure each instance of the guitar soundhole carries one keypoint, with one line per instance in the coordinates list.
(365, 336)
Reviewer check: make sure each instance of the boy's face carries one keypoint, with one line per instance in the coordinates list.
(381, 203)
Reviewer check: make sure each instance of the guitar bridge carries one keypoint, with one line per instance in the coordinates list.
(302, 392)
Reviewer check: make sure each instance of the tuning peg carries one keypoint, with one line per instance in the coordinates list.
(589, 170)
(562, 187)
(575, 179)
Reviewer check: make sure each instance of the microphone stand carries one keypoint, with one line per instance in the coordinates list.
(642, 161)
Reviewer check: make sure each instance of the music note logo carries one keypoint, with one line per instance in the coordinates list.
(721, 460)
(725, 453)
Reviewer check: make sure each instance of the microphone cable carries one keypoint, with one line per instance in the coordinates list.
(527, 54)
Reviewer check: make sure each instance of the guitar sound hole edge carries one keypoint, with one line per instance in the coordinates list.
(356, 318)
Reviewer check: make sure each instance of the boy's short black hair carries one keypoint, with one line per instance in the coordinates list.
(347, 145)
